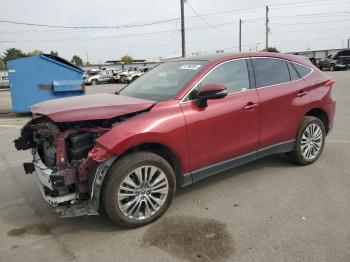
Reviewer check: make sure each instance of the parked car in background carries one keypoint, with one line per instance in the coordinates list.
(312, 60)
(4, 82)
(95, 77)
(116, 75)
(132, 74)
(135, 74)
(125, 73)
(181, 122)
(338, 61)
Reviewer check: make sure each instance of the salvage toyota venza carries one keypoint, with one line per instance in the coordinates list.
(181, 122)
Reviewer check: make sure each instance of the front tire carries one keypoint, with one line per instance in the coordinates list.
(94, 82)
(138, 189)
(309, 142)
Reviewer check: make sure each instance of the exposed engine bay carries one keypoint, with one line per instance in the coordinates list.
(68, 162)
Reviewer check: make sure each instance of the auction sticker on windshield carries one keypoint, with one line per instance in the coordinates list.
(190, 67)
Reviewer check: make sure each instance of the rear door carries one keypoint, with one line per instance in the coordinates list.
(284, 96)
(228, 127)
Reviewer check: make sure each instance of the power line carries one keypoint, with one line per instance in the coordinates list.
(152, 45)
(201, 18)
(92, 27)
(312, 30)
(311, 23)
(107, 37)
(157, 22)
(131, 25)
(251, 28)
(313, 14)
(300, 23)
(324, 2)
(263, 6)
(245, 21)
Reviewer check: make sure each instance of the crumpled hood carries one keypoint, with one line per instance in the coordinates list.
(90, 107)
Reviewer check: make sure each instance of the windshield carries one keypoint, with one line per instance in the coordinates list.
(92, 73)
(164, 81)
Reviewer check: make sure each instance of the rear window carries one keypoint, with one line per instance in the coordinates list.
(269, 71)
(302, 70)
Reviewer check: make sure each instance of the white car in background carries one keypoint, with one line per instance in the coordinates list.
(4, 82)
(95, 77)
(131, 75)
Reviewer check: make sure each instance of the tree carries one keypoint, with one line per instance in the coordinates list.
(11, 54)
(2, 64)
(35, 53)
(273, 50)
(127, 59)
(77, 60)
(55, 53)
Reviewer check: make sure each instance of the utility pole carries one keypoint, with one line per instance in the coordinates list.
(240, 35)
(348, 42)
(183, 43)
(267, 29)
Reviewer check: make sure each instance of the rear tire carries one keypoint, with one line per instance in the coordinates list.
(132, 196)
(332, 68)
(309, 141)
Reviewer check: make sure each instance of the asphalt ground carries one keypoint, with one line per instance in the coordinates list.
(269, 210)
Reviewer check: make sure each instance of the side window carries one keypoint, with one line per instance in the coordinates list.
(293, 73)
(234, 75)
(270, 71)
(302, 70)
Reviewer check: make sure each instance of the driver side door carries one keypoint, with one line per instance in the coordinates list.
(224, 134)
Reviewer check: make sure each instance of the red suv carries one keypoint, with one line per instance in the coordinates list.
(181, 122)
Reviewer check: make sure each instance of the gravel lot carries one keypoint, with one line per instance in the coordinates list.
(270, 210)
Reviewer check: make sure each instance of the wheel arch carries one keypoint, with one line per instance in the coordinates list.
(320, 114)
(163, 151)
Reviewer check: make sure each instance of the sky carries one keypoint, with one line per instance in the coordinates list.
(294, 26)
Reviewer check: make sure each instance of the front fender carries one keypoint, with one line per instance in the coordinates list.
(164, 124)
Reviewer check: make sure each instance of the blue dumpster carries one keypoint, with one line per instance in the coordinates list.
(39, 78)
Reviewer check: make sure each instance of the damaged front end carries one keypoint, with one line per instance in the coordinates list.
(69, 164)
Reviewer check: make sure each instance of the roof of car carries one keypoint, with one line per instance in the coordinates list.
(228, 56)
(207, 57)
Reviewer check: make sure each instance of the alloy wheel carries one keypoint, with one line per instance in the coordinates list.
(311, 141)
(143, 192)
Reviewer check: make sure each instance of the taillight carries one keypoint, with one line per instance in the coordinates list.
(329, 83)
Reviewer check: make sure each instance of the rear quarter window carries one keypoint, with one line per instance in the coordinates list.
(302, 70)
(294, 75)
(270, 71)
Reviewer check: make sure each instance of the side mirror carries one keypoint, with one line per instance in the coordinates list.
(210, 92)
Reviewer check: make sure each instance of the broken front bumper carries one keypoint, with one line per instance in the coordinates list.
(69, 205)
(48, 184)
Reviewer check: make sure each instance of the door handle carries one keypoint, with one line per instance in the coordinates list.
(250, 106)
(301, 93)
